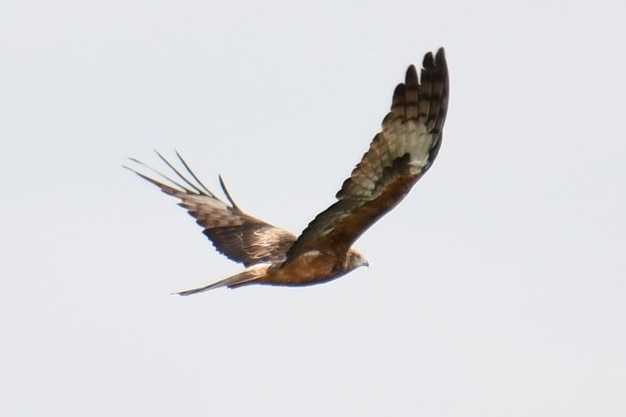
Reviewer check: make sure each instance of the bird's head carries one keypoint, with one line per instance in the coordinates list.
(356, 259)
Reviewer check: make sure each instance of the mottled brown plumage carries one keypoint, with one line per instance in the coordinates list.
(397, 158)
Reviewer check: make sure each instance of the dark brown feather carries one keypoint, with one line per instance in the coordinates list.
(239, 236)
(398, 156)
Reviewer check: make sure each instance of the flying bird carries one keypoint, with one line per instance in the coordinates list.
(397, 158)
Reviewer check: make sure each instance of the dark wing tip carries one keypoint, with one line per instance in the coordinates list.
(428, 61)
(440, 57)
(438, 61)
(411, 75)
(438, 66)
(437, 74)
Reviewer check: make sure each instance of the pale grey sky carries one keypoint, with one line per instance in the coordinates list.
(496, 288)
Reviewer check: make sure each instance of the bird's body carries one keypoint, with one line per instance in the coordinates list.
(397, 158)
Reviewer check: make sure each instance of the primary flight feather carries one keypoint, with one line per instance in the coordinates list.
(397, 158)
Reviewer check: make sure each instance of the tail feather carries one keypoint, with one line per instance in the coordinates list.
(249, 276)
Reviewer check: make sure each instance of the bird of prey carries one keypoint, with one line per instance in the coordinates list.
(397, 158)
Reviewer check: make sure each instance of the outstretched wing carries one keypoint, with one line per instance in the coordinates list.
(398, 156)
(239, 236)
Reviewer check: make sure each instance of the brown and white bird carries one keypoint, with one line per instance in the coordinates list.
(397, 158)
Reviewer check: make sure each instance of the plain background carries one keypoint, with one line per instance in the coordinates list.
(495, 289)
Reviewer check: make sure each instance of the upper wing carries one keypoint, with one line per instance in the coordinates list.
(239, 236)
(398, 156)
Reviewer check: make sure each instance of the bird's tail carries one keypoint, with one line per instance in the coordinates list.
(248, 276)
